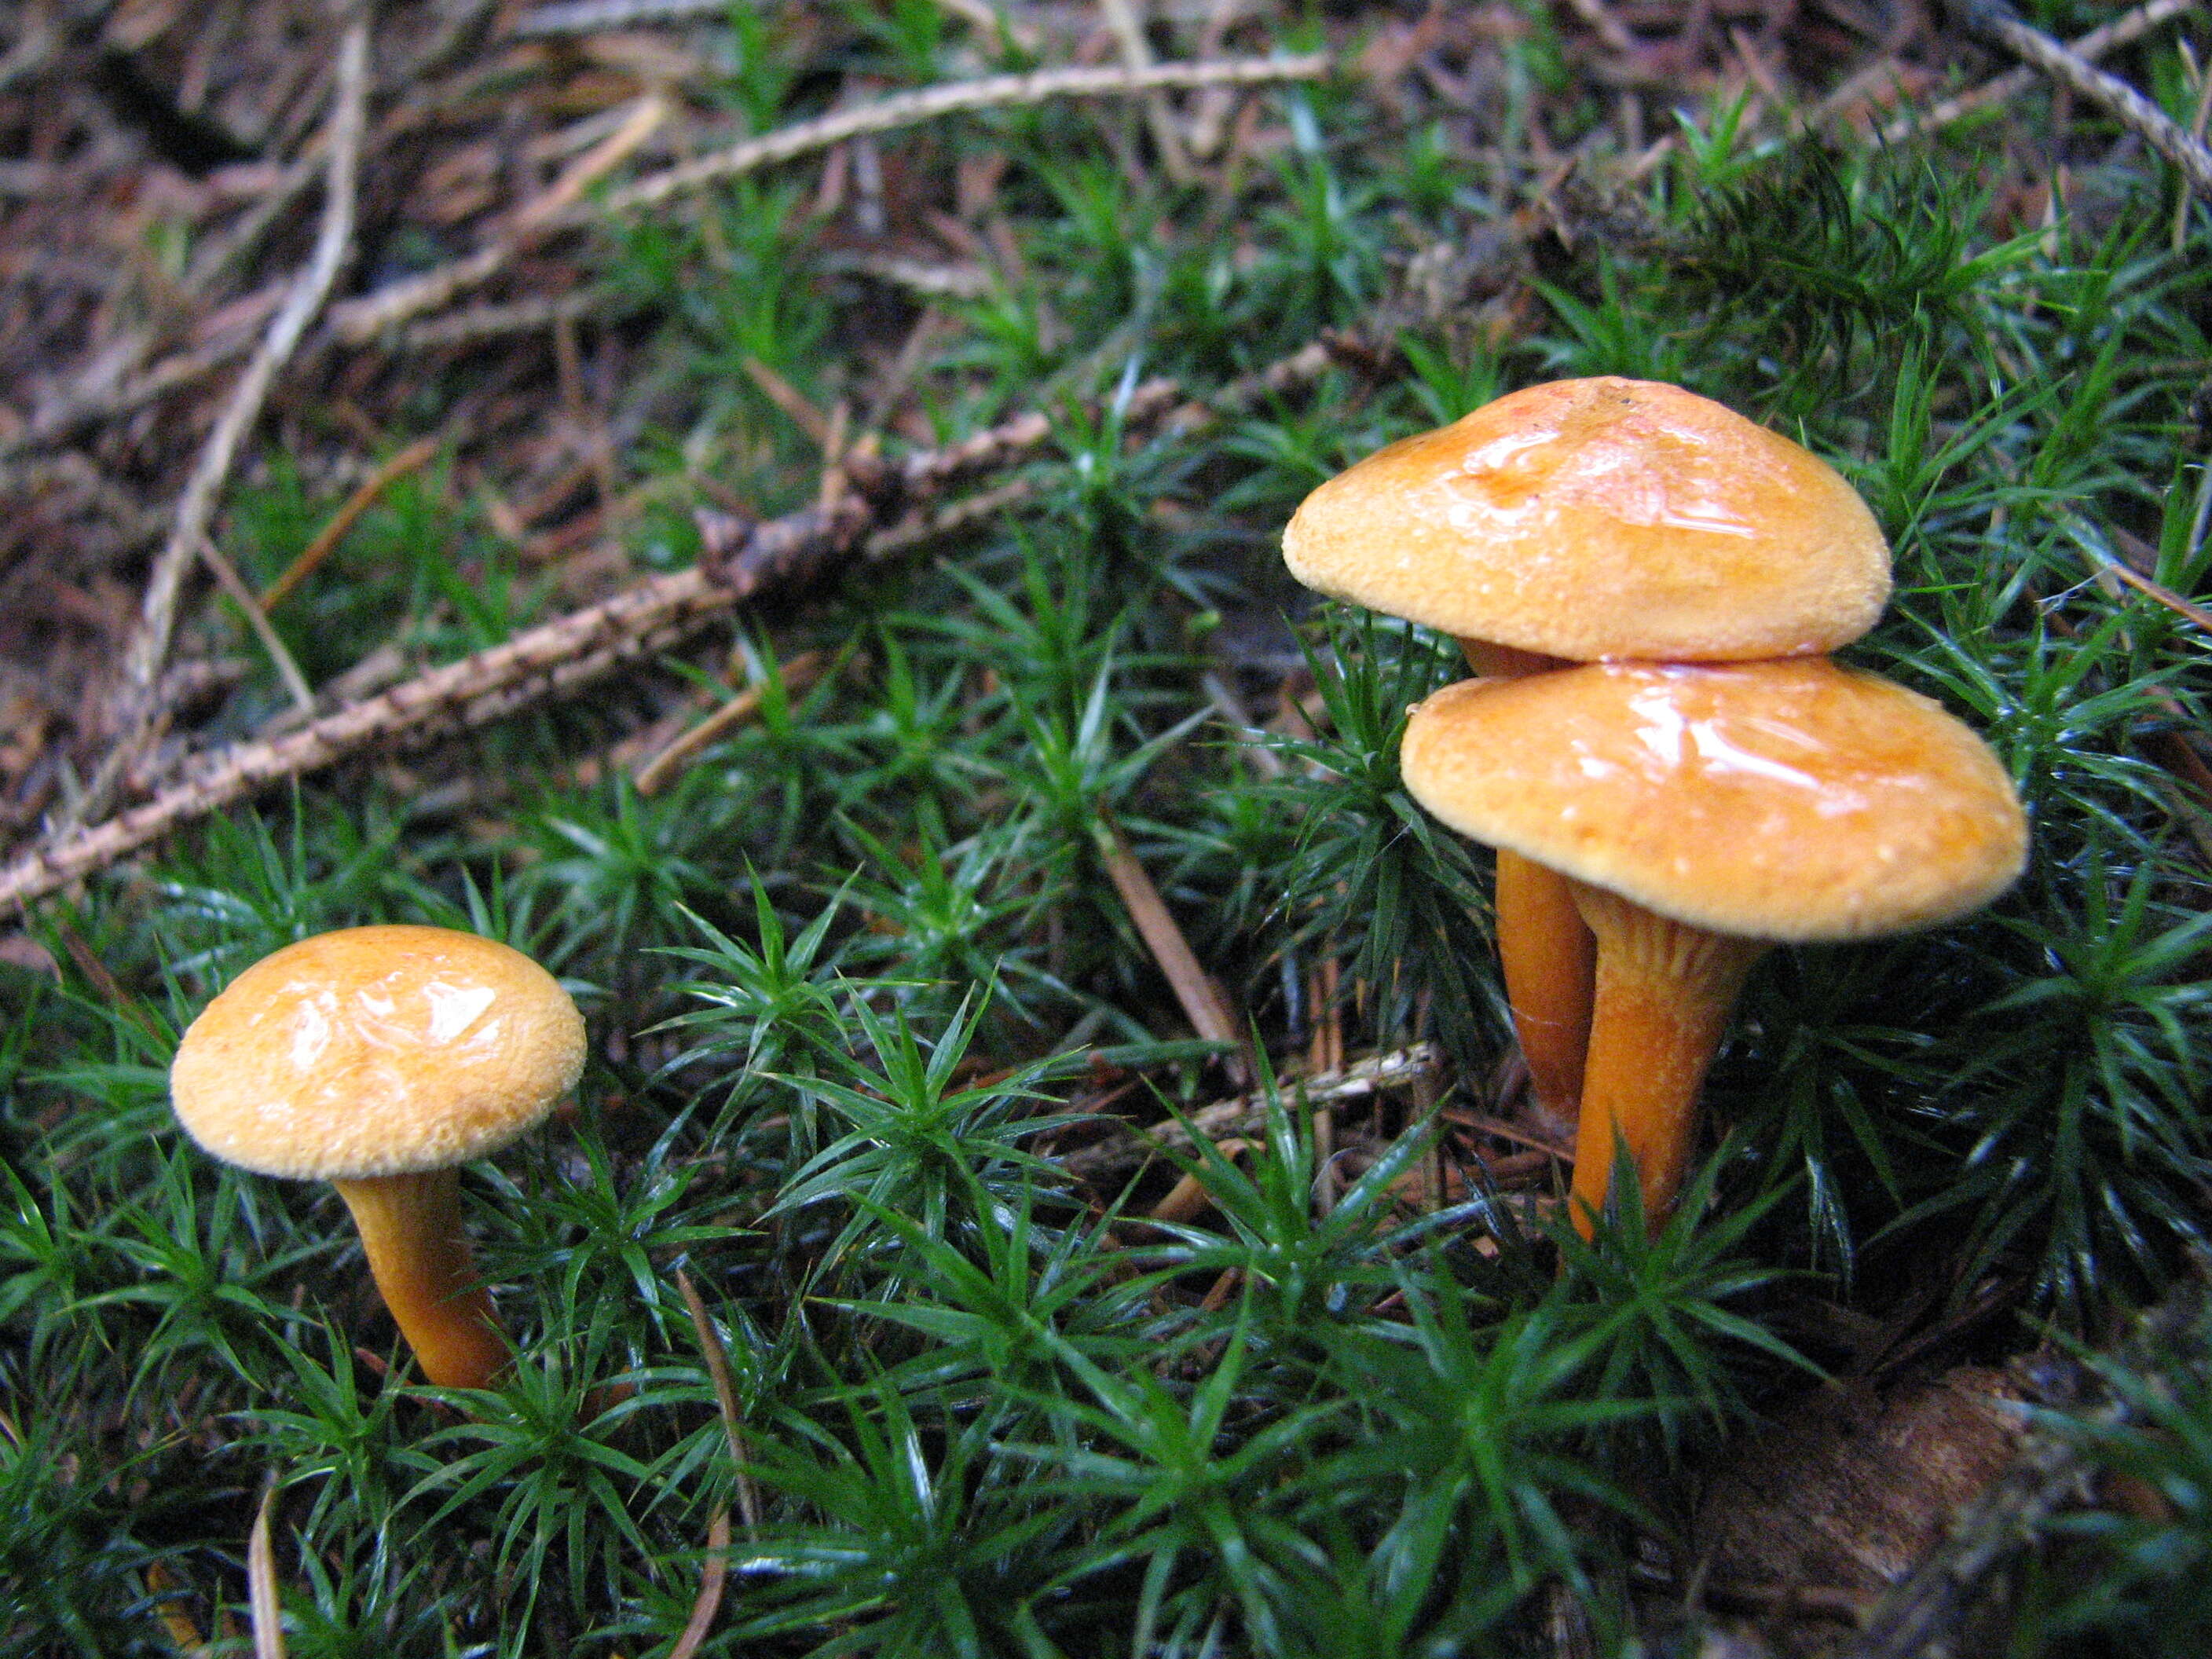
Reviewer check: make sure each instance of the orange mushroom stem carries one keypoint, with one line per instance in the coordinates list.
(418, 1253)
(1545, 950)
(1665, 990)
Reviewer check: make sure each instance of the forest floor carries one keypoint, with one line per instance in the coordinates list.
(775, 510)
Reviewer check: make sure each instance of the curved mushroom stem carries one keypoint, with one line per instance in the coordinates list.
(1549, 959)
(1665, 990)
(1543, 945)
(418, 1253)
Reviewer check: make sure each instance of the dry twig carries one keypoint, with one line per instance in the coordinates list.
(149, 647)
(991, 92)
(533, 665)
(1202, 1000)
(725, 1396)
(713, 1576)
(2109, 36)
(417, 454)
(1997, 21)
(228, 579)
(714, 1573)
(801, 671)
(590, 16)
(263, 1599)
(364, 319)
(1113, 1160)
(890, 502)
(2166, 596)
(1128, 27)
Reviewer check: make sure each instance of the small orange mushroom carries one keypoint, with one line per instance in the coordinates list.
(1703, 814)
(380, 1060)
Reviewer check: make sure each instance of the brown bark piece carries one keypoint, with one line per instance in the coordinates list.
(1840, 1498)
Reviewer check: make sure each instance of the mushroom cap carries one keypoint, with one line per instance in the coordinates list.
(376, 1051)
(1601, 519)
(1788, 801)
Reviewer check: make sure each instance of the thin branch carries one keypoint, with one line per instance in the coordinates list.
(644, 120)
(363, 318)
(2186, 609)
(1202, 1000)
(149, 647)
(1610, 29)
(2161, 131)
(528, 667)
(990, 92)
(2097, 552)
(591, 16)
(488, 322)
(1128, 27)
(263, 1599)
(958, 282)
(2127, 27)
(713, 1576)
(104, 394)
(1112, 1160)
(725, 1398)
(891, 504)
(1190, 1197)
(228, 579)
(651, 778)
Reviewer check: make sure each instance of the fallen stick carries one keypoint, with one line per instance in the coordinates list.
(2109, 36)
(1113, 1160)
(364, 319)
(149, 646)
(1998, 21)
(417, 454)
(651, 778)
(1204, 1003)
(887, 505)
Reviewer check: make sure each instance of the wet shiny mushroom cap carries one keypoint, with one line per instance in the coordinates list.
(1601, 519)
(376, 1051)
(1791, 800)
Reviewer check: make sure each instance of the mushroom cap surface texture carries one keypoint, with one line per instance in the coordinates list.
(1601, 519)
(1791, 800)
(376, 1051)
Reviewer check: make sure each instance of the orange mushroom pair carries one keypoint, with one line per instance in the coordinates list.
(380, 1060)
(1709, 785)
(1581, 521)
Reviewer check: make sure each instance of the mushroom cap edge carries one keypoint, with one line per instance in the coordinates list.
(1792, 800)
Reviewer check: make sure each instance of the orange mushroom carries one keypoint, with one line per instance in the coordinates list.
(380, 1060)
(1581, 521)
(1703, 814)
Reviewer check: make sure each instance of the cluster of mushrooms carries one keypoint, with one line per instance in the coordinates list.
(1673, 774)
